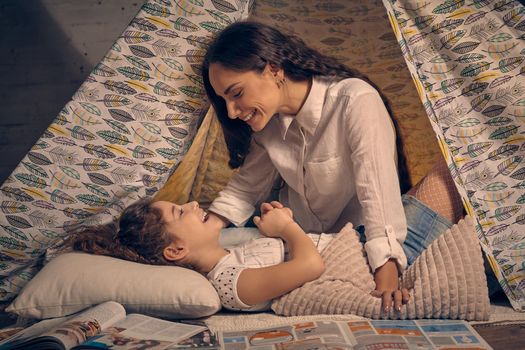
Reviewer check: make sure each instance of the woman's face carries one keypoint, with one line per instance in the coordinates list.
(187, 222)
(250, 96)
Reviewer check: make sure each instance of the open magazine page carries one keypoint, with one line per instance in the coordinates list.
(106, 314)
(304, 335)
(9, 332)
(416, 334)
(361, 334)
(32, 331)
(87, 324)
(449, 334)
(203, 340)
(65, 333)
(143, 332)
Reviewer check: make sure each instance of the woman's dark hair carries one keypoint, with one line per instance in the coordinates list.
(249, 46)
(138, 236)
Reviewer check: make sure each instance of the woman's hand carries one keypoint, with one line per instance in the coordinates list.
(274, 219)
(387, 286)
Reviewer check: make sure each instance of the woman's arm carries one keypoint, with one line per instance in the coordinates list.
(371, 138)
(251, 184)
(259, 285)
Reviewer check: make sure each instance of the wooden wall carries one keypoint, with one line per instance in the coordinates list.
(47, 48)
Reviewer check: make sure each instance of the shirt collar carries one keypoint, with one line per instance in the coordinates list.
(310, 113)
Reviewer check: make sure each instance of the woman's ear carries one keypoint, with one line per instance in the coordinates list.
(175, 252)
(274, 69)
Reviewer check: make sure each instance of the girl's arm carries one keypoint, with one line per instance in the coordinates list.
(258, 285)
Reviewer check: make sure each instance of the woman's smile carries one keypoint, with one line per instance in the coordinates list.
(249, 116)
(252, 119)
(255, 120)
(250, 96)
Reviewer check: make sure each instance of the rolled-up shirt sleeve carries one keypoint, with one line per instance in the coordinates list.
(250, 185)
(371, 138)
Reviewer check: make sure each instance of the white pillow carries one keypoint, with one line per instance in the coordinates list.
(74, 281)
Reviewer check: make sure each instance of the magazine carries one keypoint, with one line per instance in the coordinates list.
(359, 335)
(105, 326)
(203, 340)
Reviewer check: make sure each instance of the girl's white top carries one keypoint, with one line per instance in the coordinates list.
(337, 157)
(257, 253)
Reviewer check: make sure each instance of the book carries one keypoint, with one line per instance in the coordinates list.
(359, 335)
(105, 326)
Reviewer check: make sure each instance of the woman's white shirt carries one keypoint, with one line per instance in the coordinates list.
(337, 159)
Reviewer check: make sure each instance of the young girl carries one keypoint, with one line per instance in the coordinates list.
(247, 277)
(291, 113)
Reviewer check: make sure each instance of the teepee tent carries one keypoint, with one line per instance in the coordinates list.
(453, 70)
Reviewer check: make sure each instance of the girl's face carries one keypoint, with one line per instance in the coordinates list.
(249, 96)
(186, 222)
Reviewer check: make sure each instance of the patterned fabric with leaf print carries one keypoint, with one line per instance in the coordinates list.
(125, 129)
(467, 61)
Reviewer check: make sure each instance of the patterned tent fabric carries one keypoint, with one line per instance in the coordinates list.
(132, 121)
(125, 129)
(466, 59)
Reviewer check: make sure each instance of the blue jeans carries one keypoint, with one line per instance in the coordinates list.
(423, 226)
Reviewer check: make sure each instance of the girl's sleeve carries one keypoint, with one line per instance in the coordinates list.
(250, 185)
(371, 138)
(225, 283)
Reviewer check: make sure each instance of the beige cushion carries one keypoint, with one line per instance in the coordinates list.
(73, 281)
(446, 281)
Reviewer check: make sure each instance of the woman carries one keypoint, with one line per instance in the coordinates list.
(291, 113)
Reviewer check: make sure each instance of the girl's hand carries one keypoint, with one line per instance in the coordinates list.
(387, 287)
(274, 219)
(257, 285)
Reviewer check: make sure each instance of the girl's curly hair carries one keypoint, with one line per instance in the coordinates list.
(138, 236)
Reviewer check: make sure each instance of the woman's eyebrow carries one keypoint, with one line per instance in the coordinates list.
(229, 88)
